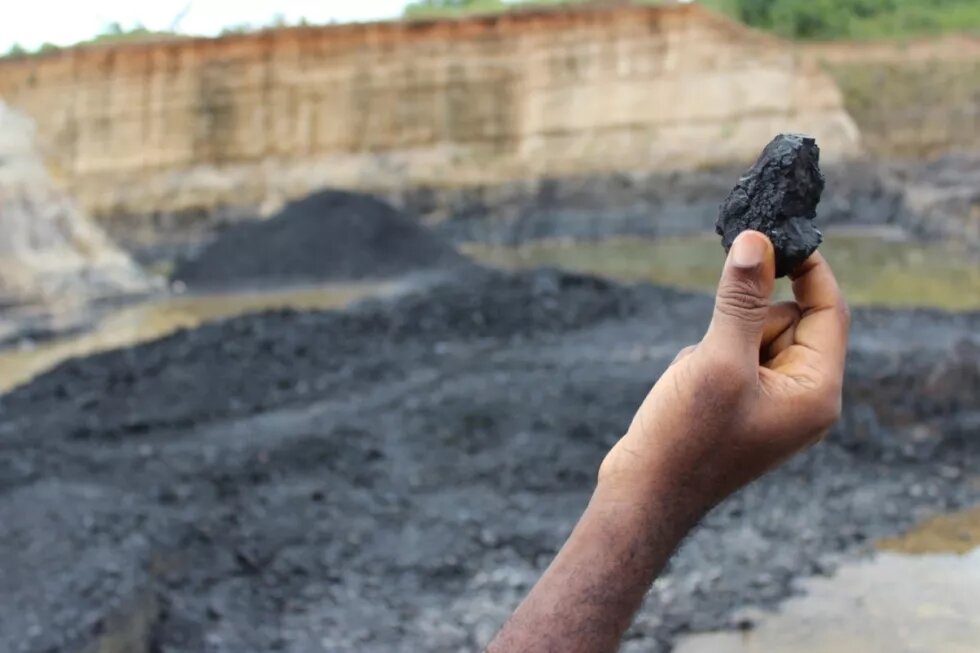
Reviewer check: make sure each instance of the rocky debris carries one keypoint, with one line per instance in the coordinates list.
(76, 561)
(395, 476)
(328, 236)
(778, 196)
(49, 251)
(247, 365)
(940, 198)
(938, 407)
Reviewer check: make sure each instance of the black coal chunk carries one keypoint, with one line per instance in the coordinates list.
(778, 196)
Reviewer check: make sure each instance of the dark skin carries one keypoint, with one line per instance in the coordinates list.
(763, 384)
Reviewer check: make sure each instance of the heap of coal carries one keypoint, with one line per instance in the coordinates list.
(778, 196)
(249, 364)
(328, 236)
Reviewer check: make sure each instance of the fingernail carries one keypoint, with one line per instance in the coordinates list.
(749, 249)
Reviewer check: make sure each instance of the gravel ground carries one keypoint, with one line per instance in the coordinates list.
(395, 476)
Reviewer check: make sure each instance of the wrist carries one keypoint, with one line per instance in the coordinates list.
(638, 532)
(648, 490)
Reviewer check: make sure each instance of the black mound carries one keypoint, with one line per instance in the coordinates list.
(778, 196)
(330, 235)
(256, 362)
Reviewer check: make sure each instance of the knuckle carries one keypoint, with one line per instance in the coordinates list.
(741, 299)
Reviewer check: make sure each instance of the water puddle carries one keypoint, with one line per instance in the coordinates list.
(958, 532)
(874, 268)
(160, 317)
(892, 603)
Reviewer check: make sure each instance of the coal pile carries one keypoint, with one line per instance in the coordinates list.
(254, 363)
(328, 236)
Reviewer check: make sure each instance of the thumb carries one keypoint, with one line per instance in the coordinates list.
(742, 303)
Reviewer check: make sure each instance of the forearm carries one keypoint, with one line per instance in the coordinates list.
(587, 598)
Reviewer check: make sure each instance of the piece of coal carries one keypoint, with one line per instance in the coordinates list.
(778, 196)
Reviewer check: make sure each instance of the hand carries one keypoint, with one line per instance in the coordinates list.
(763, 384)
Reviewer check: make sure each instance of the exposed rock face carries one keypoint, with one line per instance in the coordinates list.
(196, 124)
(48, 249)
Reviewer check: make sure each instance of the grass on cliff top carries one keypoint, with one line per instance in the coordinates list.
(115, 33)
(797, 19)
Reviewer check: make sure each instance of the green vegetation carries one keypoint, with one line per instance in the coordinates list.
(449, 8)
(113, 33)
(854, 19)
(16, 51)
(241, 28)
(804, 19)
(911, 109)
(116, 33)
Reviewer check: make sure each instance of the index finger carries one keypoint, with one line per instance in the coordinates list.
(825, 319)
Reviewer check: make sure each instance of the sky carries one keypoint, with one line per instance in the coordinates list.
(64, 22)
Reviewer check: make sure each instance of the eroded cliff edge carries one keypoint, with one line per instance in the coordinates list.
(50, 252)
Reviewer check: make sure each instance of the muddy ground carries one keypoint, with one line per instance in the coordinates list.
(395, 476)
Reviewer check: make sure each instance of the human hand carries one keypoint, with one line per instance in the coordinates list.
(763, 384)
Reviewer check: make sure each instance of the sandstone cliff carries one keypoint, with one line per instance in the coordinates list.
(914, 99)
(189, 125)
(48, 249)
